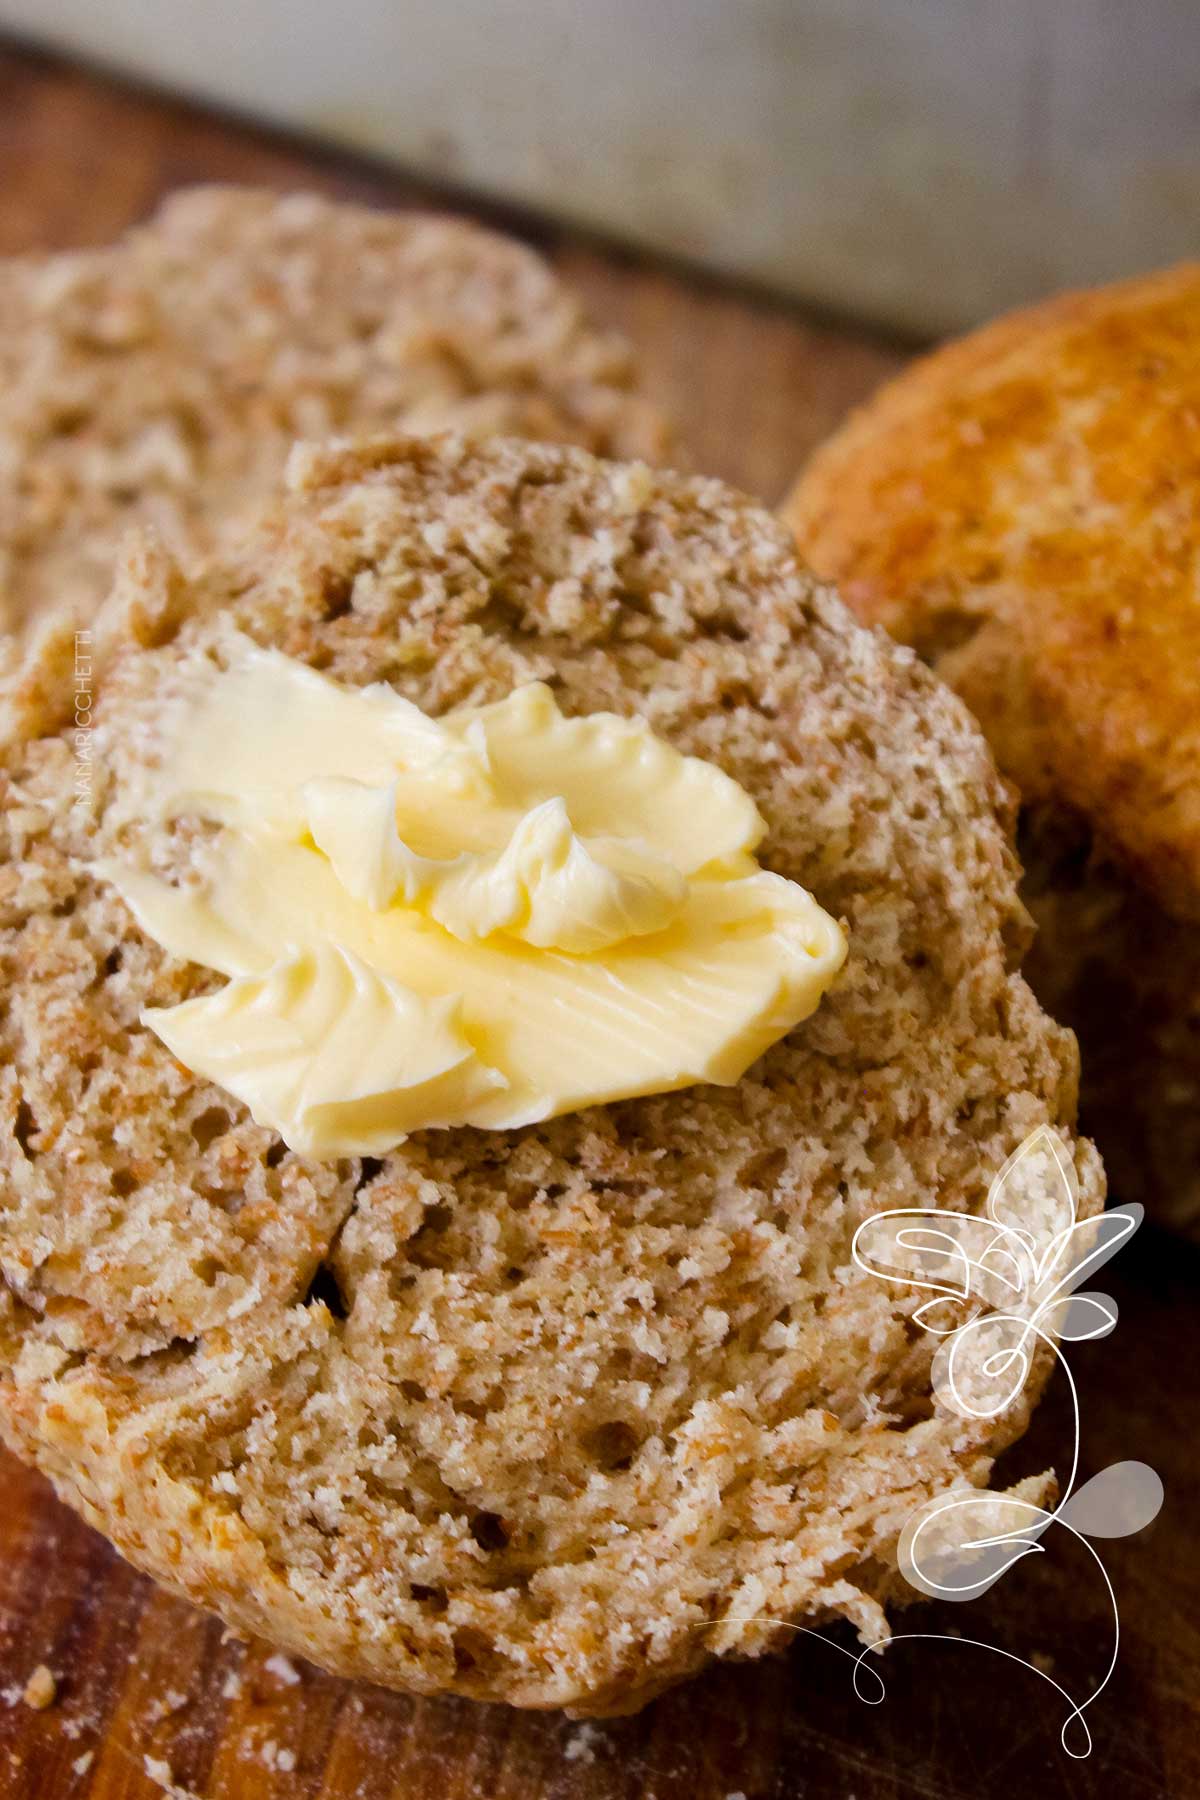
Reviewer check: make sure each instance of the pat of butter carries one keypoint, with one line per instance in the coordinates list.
(482, 920)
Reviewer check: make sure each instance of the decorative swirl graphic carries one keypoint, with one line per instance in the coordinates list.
(1004, 1296)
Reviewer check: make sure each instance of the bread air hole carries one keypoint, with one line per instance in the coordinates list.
(910, 1410)
(489, 1531)
(337, 593)
(763, 1171)
(323, 1290)
(473, 1655)
(613, 1445)
(424, 1249)
(369, 1167)
(209, 1125)
(25, 1127)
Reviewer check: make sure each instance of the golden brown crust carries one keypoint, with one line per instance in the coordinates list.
(161, 380)
(1022, 507)
(549, 1415)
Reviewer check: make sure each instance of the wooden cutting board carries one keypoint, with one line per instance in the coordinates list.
(153, 1696)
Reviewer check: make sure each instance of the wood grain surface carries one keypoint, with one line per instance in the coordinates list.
(153, 1696)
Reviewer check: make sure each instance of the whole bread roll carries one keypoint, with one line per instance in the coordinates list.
(1023, 507)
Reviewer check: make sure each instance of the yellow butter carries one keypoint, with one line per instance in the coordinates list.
(482, 920)
(343, 1053)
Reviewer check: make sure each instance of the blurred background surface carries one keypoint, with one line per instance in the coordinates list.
(921, 163)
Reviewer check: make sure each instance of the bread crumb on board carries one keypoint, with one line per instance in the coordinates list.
(582, 1743)
(41, 1689)
(282, 1668)
(161, 1773)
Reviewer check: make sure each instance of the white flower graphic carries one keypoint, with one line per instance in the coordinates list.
(1004, 1292)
